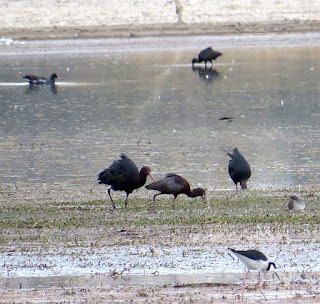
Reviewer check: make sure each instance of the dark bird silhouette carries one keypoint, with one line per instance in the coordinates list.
(175, 184)
(41, 80)
(239, 169)
(123, 175)
(254, 260)
(296, 204)
(226, 118)
(205, 55)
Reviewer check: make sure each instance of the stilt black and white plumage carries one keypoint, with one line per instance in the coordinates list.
(254, 260)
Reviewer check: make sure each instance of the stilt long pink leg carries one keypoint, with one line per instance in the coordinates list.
(243, 283)
(258, 285)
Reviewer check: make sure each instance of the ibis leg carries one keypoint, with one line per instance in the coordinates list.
(154, 197)
(126, 202)
(113, 206)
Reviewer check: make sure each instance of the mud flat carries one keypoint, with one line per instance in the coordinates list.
(76, 250)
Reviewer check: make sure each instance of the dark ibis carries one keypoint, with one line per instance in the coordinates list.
(296, 204)
(175, 185)
(206, 55)
(254, 260)
(239, 169)
(123, 175)
(41, 80)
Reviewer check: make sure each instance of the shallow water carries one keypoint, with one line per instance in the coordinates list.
(188, 264)
(150, 104)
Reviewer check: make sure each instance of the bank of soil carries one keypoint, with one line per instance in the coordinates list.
(100, 19)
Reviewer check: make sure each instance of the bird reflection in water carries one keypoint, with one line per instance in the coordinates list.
(206, 74)
(35, 88)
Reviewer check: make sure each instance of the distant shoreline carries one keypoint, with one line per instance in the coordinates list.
(158, 30)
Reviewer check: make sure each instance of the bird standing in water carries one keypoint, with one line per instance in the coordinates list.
(239, 169)
(175, 184)
(41, 80)
(123, 175)
(254, 260)
(296, 204)
(205, 55)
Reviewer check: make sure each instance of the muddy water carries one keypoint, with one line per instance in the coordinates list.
(151, 104)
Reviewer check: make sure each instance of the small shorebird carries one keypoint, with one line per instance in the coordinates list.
(296, 204)
(254, 260)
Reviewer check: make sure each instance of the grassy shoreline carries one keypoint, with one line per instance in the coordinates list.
(242, 208)
(93, 223)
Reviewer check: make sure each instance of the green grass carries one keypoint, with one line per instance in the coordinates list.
(30, 225)
(243, 208)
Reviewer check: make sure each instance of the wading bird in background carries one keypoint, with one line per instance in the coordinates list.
(41, 80)
(206, 55)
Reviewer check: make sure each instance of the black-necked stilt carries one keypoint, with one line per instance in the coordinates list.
(254, 260)
(239, 169)
(296, 204)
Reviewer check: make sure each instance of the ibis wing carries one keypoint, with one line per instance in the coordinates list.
(121, 172)
(169, 185)
(238, 166)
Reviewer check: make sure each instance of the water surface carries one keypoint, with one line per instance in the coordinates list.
(149, 103)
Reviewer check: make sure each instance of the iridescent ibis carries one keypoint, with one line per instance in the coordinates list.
(296, 204)
(254, 260)
(206, 55)
(123, 175)
(239, 169)
(38, 80)
(175, 184)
